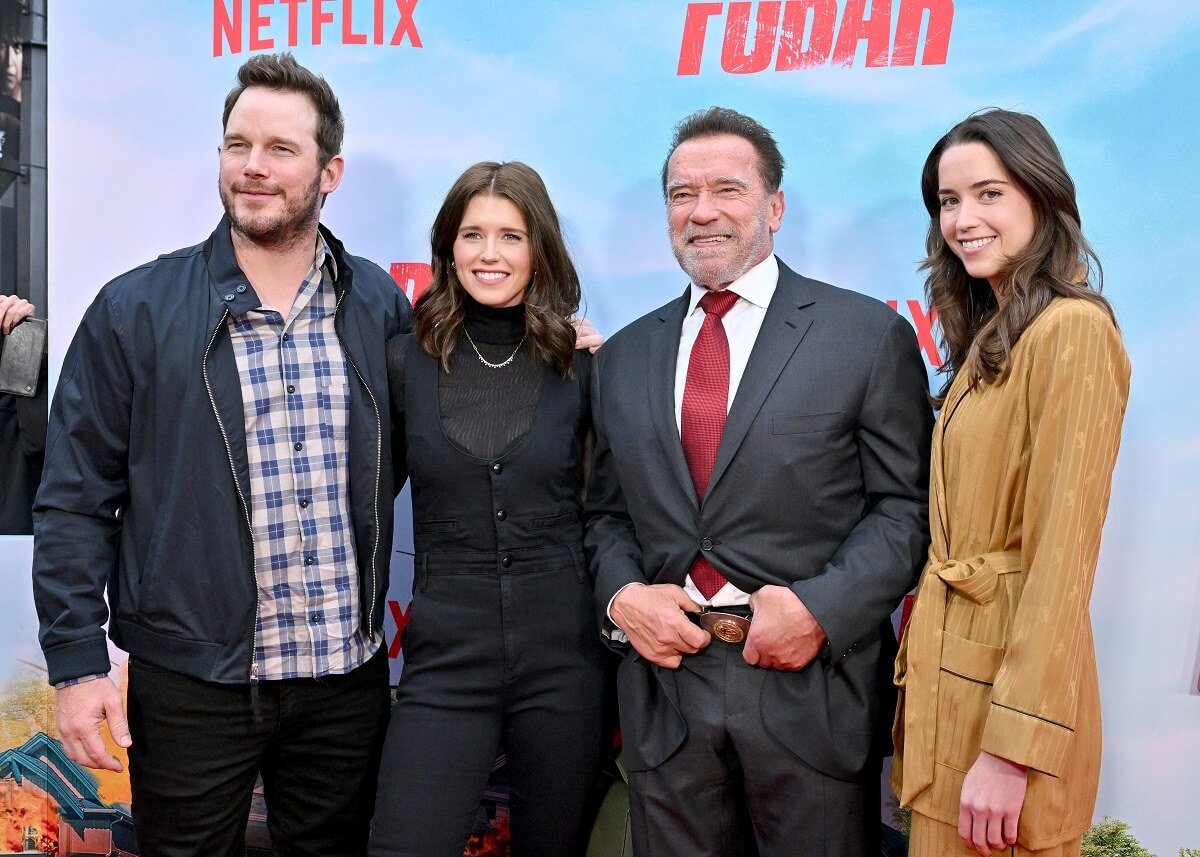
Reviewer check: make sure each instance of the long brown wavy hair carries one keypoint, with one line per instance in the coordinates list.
(977, 335)
(552, 295)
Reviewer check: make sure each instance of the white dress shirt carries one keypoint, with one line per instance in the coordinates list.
(742, 323)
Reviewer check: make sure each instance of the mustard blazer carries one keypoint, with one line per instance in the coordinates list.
(998, 652)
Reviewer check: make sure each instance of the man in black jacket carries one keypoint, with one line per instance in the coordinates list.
(219, 462)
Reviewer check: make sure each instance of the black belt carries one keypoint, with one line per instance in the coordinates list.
(729, 624)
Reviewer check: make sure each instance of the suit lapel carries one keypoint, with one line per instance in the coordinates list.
(788, 319)
(663, 353)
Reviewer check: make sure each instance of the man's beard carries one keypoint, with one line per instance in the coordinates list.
(294, 224)
(709, 274)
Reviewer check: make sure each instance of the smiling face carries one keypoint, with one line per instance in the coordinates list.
(986, 219)
(492, 254)
(271, 180)
(719, 215)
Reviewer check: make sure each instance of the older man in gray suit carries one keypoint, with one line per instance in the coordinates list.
(756, 512)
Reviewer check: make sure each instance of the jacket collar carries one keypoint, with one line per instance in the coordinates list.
(788, 318)
(231, 286)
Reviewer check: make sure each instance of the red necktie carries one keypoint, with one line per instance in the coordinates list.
(705, 406)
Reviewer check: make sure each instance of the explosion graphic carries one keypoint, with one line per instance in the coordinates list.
(489, 843)
(29, 819)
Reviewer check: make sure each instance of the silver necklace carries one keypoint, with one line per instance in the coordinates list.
(482, 360)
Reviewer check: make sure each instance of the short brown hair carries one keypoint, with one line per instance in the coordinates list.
(282, 73)
(716, 121)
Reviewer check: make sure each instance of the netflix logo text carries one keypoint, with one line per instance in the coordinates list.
(922, 321)
(263, 25)
(400, 617)
(800, 34)
(412, 278)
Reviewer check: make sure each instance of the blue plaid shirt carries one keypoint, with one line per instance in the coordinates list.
(296, 400)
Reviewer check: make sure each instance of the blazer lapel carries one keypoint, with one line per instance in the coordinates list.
(939, 535)
(787, 320)
(662, 355)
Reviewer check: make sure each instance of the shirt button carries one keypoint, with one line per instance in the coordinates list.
(317, 618)
(501, 515)
(298, 447)
(241, 289)
(304, 504)
(497, 467)
(309, 560)
(230, 296)
(291, 388)
(506, 561)
(286, 337)
(706, 544)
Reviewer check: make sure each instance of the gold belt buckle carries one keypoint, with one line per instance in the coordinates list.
(728, 627)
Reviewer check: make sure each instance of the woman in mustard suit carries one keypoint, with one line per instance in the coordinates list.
(998, 731)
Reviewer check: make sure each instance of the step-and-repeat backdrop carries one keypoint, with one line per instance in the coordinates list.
(587, 92)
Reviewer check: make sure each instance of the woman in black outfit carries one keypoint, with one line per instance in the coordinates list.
(501, 648)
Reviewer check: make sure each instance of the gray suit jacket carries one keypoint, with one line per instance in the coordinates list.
(820, 484)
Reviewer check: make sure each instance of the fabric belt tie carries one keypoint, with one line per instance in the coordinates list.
(975, 579)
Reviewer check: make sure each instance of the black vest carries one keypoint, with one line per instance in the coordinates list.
(505, 514)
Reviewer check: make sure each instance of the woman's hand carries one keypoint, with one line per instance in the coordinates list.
(586, 335)
(14, 310)
(992, 795)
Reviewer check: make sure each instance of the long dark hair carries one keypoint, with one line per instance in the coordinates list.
(553, 293)
(977, 335)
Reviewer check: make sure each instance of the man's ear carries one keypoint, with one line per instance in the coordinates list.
(331, 174)
(777, 206)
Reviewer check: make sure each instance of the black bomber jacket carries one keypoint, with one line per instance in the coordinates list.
(146, 483)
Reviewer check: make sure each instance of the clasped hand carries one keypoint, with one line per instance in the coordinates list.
(654, 619)
(13, 311)
(784, 635)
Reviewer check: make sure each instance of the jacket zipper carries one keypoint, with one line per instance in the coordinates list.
(378, 465)
(241, 498)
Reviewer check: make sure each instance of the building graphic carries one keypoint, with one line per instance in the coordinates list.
(50, 805)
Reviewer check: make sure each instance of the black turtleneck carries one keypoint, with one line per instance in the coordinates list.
(483, 410)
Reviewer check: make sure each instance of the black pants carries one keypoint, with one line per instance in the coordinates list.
(732, 790)
(491, 661)
(198, 748)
